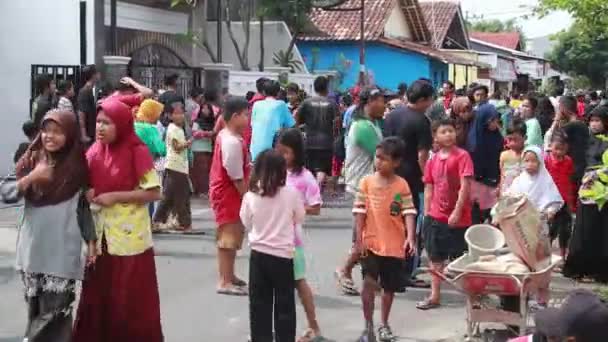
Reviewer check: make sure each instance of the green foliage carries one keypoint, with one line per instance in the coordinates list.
(590, 15)
(288, 60)
(602, 292)
(579, 52)
(496, 26)
(293, 12)
(595, 183)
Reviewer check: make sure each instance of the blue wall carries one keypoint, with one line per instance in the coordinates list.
(389, 66)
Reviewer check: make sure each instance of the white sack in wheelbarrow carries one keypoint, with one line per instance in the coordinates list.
(508, 263)
(525, 232)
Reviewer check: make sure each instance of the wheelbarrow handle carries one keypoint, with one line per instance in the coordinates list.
(443, 276)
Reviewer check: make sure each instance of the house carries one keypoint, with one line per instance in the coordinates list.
(511, 69)
(449, 34)
(397, 44)
(509, 40)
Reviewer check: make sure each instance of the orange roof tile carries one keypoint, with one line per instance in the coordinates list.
(509, 40)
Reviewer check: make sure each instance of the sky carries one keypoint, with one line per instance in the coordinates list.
(507, 9)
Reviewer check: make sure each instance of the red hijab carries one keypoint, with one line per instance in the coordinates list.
(118, 166)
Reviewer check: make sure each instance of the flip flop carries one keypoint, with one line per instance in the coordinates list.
(346, 285)
(427, 305)
(419, 283)
(232, 291)
(239, 283)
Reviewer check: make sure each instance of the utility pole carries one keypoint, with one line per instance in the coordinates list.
(362, 46)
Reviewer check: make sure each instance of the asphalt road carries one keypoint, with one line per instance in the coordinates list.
(192, 311)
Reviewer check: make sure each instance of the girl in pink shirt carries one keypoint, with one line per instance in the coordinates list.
(271, 211)
(291, 146)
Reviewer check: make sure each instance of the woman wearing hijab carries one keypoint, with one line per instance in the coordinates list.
(462, 113)
(52, 175)
(484, 143)
(588, 252)
(119, 300)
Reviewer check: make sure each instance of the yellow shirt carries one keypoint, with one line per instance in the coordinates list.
(126, 226)
(176, 161)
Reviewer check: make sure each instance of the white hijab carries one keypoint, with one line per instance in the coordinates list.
(539, 188)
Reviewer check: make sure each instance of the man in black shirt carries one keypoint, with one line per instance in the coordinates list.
(45, 87)
(317, 114)
(87, 104)
(411, 124)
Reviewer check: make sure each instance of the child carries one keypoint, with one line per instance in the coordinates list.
(510, 160)
(202, 148)
(385, 227)
(147, 116)
(291, 146)
(30, 131)
(447, 180)
(561, 169)
(119, 299)
(271, 211)
(176, 185)
(536, 184)
(228, 177)
(65, 94)
(55, 222)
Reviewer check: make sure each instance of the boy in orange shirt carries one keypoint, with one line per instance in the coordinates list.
(385, 220)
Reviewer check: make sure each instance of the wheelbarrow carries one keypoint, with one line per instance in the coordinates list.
(478, 285)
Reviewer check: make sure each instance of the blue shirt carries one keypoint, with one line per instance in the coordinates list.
(267, 118)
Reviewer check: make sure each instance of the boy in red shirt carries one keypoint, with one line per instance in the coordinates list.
(447, 205)
(227, 184)
(561, 169)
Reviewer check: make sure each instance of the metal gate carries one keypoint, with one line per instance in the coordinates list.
(151, 64)
(57, 73)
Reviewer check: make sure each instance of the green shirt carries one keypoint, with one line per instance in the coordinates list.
(148, 133)
(363, 137)
(534, 135)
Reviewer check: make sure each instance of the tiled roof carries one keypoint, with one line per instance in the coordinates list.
(438, 16)
(509, 40)
(342, 25)
(415, 19)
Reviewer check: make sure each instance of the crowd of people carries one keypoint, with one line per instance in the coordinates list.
(112, 168)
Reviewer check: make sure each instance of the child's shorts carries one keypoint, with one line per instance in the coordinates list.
(441, 241)
(299, 264)
(230, 236)
(387, 270)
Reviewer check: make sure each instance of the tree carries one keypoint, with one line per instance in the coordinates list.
(579, 52)
(496, 26)
(200, 39)
(245, 13)
(590, 15)
(295, 14)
